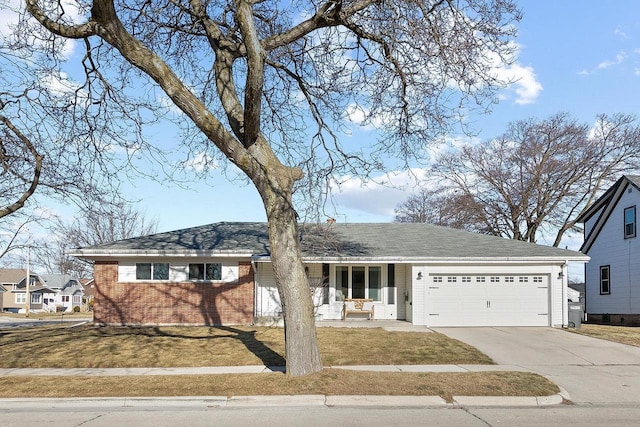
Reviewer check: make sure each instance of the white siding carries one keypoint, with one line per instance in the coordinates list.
(623, 256)
(178, 268)
(549, 300)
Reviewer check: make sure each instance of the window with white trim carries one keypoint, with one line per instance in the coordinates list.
(152, 271)
(21, 298)
(36, 298)
(77, 299)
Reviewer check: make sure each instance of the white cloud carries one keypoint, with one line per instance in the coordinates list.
(9, 18)
(525, 84)
(620, 33)
(201, 162)
(378, 196)
(620, 58)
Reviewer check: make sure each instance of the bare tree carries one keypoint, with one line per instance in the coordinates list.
(250, 77)
(48, 148)
(539, 176)
(440, 208)
(97, 225)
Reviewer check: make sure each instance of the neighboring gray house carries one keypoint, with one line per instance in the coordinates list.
(69, 291)
(611, 240)
(424, 274)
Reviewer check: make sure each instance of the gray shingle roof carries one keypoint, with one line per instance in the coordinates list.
(379, 240)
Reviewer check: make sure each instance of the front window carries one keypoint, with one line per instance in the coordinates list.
(630, 222)
(605, 280)
(358, 282)
(208, 271)
(21, 298)
(152, 271)
(36, 298)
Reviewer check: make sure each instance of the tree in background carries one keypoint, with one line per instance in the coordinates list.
(268, 84)
(49, 146)
(540, 175)
(97, 225)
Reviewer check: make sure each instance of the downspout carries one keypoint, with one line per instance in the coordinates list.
(565, 303)
(255, 289)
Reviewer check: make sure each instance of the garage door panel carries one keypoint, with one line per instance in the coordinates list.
(514, 303)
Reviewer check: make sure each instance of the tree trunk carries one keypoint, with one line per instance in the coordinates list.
(301, 341)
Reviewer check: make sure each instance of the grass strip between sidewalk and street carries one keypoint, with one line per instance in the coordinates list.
(328, 382)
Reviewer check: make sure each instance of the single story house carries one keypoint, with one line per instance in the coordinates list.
(427, 275)
(611, 240)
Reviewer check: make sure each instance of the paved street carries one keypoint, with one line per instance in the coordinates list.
(168, 415)
(591, 370)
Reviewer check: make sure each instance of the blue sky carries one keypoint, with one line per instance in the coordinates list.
(579, 56)
(582, 57)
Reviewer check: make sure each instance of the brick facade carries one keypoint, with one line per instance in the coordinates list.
(160, 303)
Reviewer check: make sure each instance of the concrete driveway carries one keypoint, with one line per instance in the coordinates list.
(591, 370)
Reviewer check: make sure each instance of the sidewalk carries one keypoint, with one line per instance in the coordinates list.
(276, 400)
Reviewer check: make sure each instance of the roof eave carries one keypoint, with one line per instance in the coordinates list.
(119, 253)
(447, 260)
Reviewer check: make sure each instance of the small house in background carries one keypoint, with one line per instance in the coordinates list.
(14, 300)
(69, 291)
(427, 275)
(611, 240)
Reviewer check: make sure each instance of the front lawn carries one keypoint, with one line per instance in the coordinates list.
(89, 346)
(622, 334)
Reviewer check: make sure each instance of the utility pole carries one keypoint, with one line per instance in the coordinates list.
(28, 283)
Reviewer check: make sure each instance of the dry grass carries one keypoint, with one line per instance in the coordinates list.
(329, 382)
(113, 347)
(622, 334)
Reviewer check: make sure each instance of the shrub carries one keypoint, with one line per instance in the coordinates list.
(76, 309)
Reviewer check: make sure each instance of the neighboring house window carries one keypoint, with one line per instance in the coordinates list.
(65, 298)
(630, 222)
(36, 298)
(152, 271)
(21, 298)
(605, 280)
(77, 299)
(211, 271)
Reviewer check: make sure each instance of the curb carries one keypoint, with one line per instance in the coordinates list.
(335, 401)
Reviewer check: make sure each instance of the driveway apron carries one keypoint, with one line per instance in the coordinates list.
(591, 370)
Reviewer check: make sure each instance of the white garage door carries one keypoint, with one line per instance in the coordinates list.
(487, 300)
